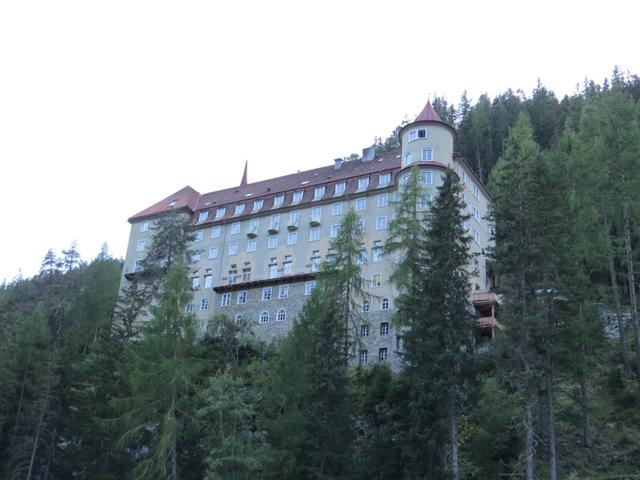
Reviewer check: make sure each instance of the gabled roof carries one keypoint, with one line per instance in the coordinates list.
(184, 198)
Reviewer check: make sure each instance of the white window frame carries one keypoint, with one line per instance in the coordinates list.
(267, 293)
(273, 271)
(297, 196)
(233, 249)
(287, 268)
(318, 193)
(140, 246)
(363, 184)
(381, 222)
(314, 234)
(195, 283)
(292, 238)
(385, 304)
(199, 235)
(337, 208)
(144, 227)
(407, 159)
(272, 241)
(257, 205)
(383, 200)
(340, 188)
(252, 245)
(220, 212)
(203, 216)
(239, 209)
(384, 180)
(374, 280)
(427, 178)
(364, 356)
(216, 231)
(384, 329)
(366, 305)
(225, 299)
(213, 252)
(364, 330)
(204, 304)
(308, 287)
(426, 155)
(335, 230)
(278, 201)
(208, 280)
(241, 298)
(283, 292)
(361, 204)
(281, 315)
(263, 318)
(235, 228)
(383, 354)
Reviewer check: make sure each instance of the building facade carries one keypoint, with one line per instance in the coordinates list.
(260, 244)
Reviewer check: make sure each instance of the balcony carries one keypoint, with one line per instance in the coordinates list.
(293, 225)
(274, 228)
(314, 221)
(253, 232)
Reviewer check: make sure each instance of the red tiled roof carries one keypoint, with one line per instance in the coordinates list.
(267, 190)
(184, 198)
(428, 114)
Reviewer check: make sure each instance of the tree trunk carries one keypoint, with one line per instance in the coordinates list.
(633, 303)
(174, 448)
(36, 440)
(616, 297)
(586, 423)
(455, 465)
(553, 467)
(528, 437)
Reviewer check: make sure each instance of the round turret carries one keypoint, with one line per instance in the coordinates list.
(427, 139)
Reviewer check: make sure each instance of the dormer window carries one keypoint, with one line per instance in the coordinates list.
(297, 196)
(408, 158)
(278, 201)
(202, 216)
(385, 179)
(417, 134)
(239, 209)
(220, 212)
(340, 188)
(318, 193)
(363, 183)
(427, 155)
(257, 205)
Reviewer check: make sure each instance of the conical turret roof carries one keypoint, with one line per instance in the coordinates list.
(428, 114)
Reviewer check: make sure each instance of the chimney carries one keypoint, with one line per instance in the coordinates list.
(337, 164)
(368, 154)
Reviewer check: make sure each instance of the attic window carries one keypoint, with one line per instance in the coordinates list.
(202, 216)
(220, 212)
(173, 203)
(257, 205)
(304, 183)
(248, 194)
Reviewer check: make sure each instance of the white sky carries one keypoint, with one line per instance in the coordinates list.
(107, 107)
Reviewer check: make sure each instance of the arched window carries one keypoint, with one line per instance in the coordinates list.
(384, 305)
(264, 317)
(365, 306)
(238, 317)
(281, 315)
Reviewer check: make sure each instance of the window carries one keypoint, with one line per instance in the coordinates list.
(399, 342)
(220, 212)
(364, 356)
(475, 190)
(376, 254)
(381, 223)
(198, 236)
(365, 308)
(273, 271)
(309, 286)
(385, 179)
(238, 317)
(287, 268)
(335, 231)
(363, 183)
(281, 316)
(235, 228)
(257, 205)
(144, 227)
(318, 193)
(384, 328)
(340, 188)
(233, 248)
(283, 291)
(189, 308)
(383, 200)
(476, 236)
(274, 222)
(252, 245)
(233, 275)
(425, 201)
(297, 196)
(427, 155)
(266, 293)
(417, 134)
(140, 246)
(294, 218)
(254, 225)
(239, 209)
(207, 281)
(202, 216)
(292, 238)
(466, 226)
(382, 355)
(408, 158)
(360, 225)
(426, 178)
(242, 298)
(278, 201)
(264, 317)
(273, 241)
(315, 263)
(195, 256)
(364, 330)
(195, 283)
(314, 234)
(361, 258)
(215, 232)
(225, 300)
(246, 274)
(361, 204)
(137, 265)
(336, 209)
(384, 305)
(376, 280)
(204, 304)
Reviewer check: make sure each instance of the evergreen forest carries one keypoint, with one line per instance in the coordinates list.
(105, 384)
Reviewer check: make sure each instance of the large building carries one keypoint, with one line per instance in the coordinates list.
(262, 243)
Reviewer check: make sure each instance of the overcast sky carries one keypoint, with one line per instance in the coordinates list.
(107, 107)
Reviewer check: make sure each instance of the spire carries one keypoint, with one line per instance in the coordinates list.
(243, 182)
(428, 114)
